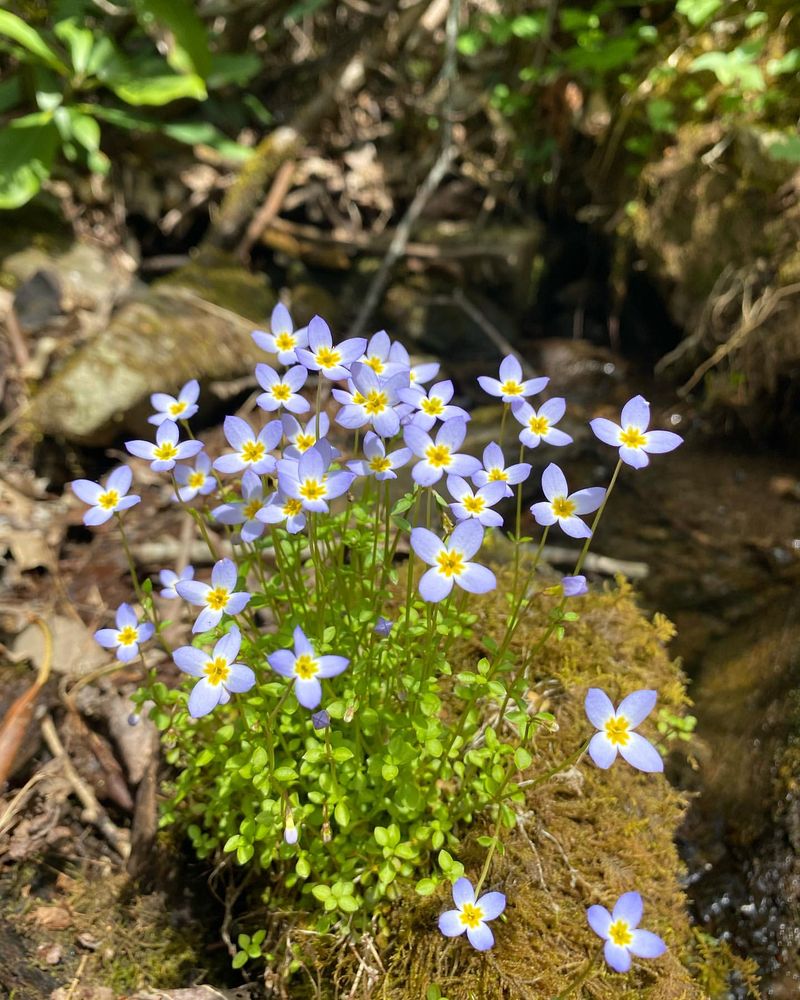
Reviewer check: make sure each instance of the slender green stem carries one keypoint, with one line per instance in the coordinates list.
(596, 521)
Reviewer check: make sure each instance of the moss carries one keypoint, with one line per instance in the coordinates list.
(220, 278)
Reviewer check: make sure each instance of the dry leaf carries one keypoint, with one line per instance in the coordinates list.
(53, 918)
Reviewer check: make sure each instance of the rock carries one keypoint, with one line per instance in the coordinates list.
(155, 342)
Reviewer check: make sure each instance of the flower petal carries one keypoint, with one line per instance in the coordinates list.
(309, 692)
(463, 892)
(602, 751)
(190, 660)
(282, 662)
(636, 413)
(228, 646)
(476, 579)
(107, 637)
(588, 500)
(204, 698)
(467, 538)
(641, 754)
(543, 513)
(554, 482)
(635, 457)
(599, 708)
(660, 441)
(574, 527)
(434, 586)
(492, 904)
(637, 706)
(237, 432)
(450, 923)
(192, 591)
(599, 920)
(645, 944)
(86, 490)
(629, 908)
(224, 574)
(606, 430)
(618, 958)
(332, 666)
(120, 479)
(240, 678)
(426, 545)
(480, 937)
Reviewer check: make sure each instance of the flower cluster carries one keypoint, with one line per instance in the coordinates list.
(307, 513)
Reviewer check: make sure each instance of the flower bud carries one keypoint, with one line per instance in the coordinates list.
(320, 719)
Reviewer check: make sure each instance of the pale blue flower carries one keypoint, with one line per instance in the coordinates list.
(322, 356)
(180, 407)
(216, 599)
(616, 730)
(511, 385)
(383, 627)
(309, 481)
(562, 507)
(251, 451)
(432, 405)
(128, 634)
(283, 339)
(306, 668)
(477, 504)
(194, 481)
(246, 510)
(620, 931)
(320, 719)
(219, 676)
(163, 454)
(574, 586)
(450, 561)
(300, 437)
(282, 391)
(376, 462)
(471, 915)
(495, 469)
(378, 356)
(417, 374)
(373, 401)
(631, 435)
(104, 502)
(169, 578)
(439, 457)
(539, 425)
(281, 508)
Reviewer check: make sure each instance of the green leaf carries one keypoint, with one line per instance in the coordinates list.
(85, 130)
(522, 758)
(381, 836)
(239, 959)
(321, 892)
(27, 148)
(698, 12)
(159, 90)
(303, 868)
(10, 93)
(348, 904)
(342, 814)
(284, 774)
(789, 63)
(232, 68)
(425, 886)
(17, 30)
(189, 51)
(79, 41)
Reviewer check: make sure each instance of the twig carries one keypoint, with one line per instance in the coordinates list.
(272, 205)
(491, 331)
(93, 811)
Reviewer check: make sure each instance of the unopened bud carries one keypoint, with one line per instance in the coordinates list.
(320, 719)
(289, 829)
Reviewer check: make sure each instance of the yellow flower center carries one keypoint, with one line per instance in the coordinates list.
(433, 407)
(617, 731)
(165, 452)
(305, 667)
(328, 357)
(252, 508)
(196, 480)
(358, 399)
(217, 670)
(632, 437)
(304, 441)
(376, 402)
(108, 500)
(281, 392)
(562, 507)
(511, 388)
(127, 636)
(474, 504)
(438, 456)
(312, 489)
(176, 409)
(217, 598)
(620, 933)
(253, 451)
(376, 364)
(498, 476)
(538, 425)
(450, 563)
(292, 507)
(412, 376)
(471, 915)
(285, 341)
(380, 463)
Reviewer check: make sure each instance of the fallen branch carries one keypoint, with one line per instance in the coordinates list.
(604, 565)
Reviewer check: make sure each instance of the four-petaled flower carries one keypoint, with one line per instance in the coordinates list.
(438, 457)
(282, 391)
(469, 503)
(432, 405)
(631, 435)
(306, 668)
(245, 511)
(105, 502)
(303, 438)
(322, 356)
(539, 425)
(125, 638)
(511, 385)
(196, 481)
(281, 507)
(376, 462)
(574, 586)
(180, 407)
(283, 339)
(377, 355)
(417, 374)
(563, 507)
(616, 730)
(251, 451)
(309, 481)
(373, 401)
(169, 578)
(166, 451)
(450, 561)
(620, 931)
(495, 471)
(216, 599)
(471, 915)
(219, 675)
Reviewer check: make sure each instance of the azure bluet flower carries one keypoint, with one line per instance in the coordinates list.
(219, 676)
(574, 586)
(417, 374)
(282, 508)
(495, 470)
(471, 915)
(216, 599)
(108, 500)
(194, 481)
(167, 450)
(539, 425)
(620, 931)
(180, 407)
(376, 462)
(432, 405)
(306, 669)
(245, 511)
(450, 561)
(300, 437)
(512, 385)
(374, 401)
(128, 634)
(282, 391)
(477, 504)
(168, 579)
(251, 451)
(439, 457)
(322, 356)
(309, 481)
(282, 339)
(631, 435)
(563, 507)
(616, 730)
